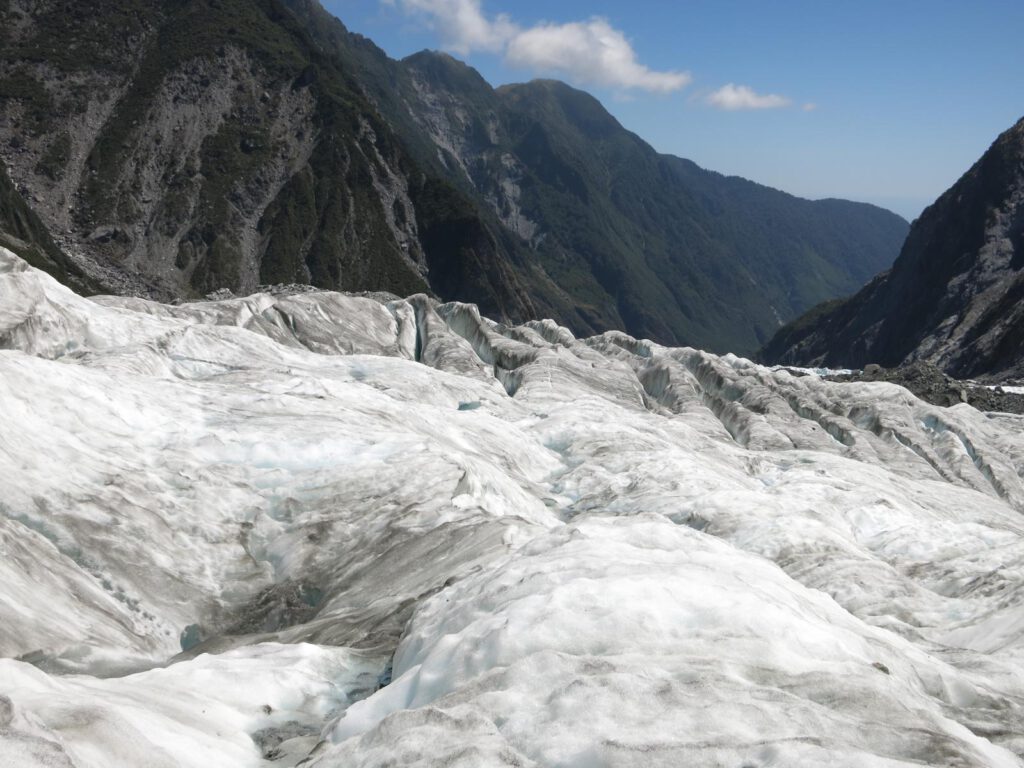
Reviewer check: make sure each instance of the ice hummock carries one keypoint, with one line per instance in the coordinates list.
(322, 529)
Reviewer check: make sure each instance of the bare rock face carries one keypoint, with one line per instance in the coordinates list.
(954, 297)
(22, 232)
(174, 149)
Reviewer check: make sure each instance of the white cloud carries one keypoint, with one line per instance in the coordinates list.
(588, 51)
(735, 97)
(591, 51)
(462, 25)
(809, 107)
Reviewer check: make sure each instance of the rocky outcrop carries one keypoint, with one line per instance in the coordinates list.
(933, 386)
(23, 233)
(954, 297)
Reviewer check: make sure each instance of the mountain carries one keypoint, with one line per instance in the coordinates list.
(182, 147)
(654, 243)
(175, 147)
(322, 530)
(623, 237)
(955, 295)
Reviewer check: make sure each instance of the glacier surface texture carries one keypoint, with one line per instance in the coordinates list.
(324, 530)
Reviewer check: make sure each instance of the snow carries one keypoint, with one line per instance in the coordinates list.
(322, 529)
(203, 712)
(1008, 388)
(816, 371)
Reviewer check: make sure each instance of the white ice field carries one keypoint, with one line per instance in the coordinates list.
(322, 530)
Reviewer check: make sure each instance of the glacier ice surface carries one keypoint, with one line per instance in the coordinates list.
(325, 530)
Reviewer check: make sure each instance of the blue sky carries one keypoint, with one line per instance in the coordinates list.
(887, 102)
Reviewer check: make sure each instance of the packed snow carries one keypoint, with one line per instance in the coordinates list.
(324, 530)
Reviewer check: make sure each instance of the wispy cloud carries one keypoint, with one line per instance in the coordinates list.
(591, 52)
(461, 24)
(735, 97)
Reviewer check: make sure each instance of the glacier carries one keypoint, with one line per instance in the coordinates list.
(335, 530)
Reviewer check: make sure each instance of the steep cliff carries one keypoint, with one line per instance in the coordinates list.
(954, 297)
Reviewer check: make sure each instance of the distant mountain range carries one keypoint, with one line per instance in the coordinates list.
(954, 297)
(171, 148)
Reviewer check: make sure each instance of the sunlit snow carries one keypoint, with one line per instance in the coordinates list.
(326, 530)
